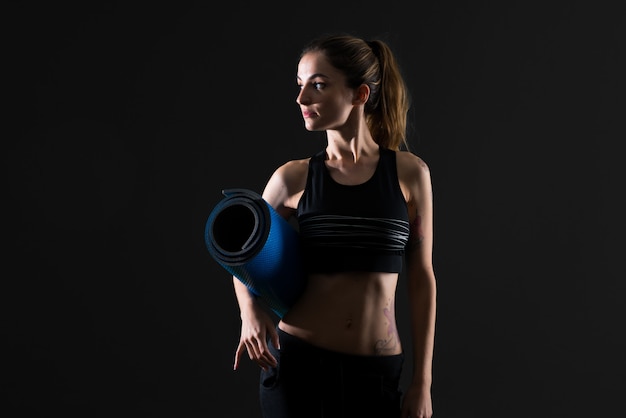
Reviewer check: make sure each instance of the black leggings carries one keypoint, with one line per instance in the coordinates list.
(312, 382)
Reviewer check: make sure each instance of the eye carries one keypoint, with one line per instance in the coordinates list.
(317, 85)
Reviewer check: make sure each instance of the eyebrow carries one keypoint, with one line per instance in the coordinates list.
(314, 76)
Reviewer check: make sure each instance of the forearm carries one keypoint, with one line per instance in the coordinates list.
(245, 298)
(423, 304)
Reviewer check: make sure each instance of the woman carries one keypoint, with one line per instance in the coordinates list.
(365, 212)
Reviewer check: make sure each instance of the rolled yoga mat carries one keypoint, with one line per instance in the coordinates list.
(249, 239)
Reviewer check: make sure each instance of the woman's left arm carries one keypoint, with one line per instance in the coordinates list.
(421, 284)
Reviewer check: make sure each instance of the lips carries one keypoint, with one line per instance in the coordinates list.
(307, 114)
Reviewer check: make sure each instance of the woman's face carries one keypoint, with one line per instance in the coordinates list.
(324, 98)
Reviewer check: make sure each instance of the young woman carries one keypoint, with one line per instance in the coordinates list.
(364, 208)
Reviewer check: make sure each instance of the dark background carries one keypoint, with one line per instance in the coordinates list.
(125, 121)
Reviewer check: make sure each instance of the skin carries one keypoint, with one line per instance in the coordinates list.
(359, 307)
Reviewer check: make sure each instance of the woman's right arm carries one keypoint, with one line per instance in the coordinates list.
(256, 325)
(281, 192)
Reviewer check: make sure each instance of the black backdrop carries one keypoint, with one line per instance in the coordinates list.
(126, 121)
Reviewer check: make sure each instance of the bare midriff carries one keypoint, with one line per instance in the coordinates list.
(347, 312)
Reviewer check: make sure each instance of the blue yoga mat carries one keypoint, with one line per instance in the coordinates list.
(249, 239)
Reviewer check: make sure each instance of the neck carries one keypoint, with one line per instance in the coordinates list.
(352, 143)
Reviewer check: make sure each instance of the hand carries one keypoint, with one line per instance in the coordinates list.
(417, 403)
(256, 325)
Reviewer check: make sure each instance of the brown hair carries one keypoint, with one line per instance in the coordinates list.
(371, 63)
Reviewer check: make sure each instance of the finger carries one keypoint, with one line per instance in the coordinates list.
(270, 359)
(266, 354)
(274, 337)
(263, 357)
(253, 353)
(238, 356)
(267, 361)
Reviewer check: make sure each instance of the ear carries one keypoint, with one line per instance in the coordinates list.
(361, 94)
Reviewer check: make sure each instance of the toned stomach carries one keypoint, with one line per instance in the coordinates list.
(348, 312)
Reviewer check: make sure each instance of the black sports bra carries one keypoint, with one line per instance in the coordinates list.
(362, 227)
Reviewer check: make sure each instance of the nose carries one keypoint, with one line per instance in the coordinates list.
(303, 96)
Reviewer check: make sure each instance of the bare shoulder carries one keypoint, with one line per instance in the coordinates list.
(285, 186)
(411, 166)
(414, 178)
(292, 174)
(294, 167)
